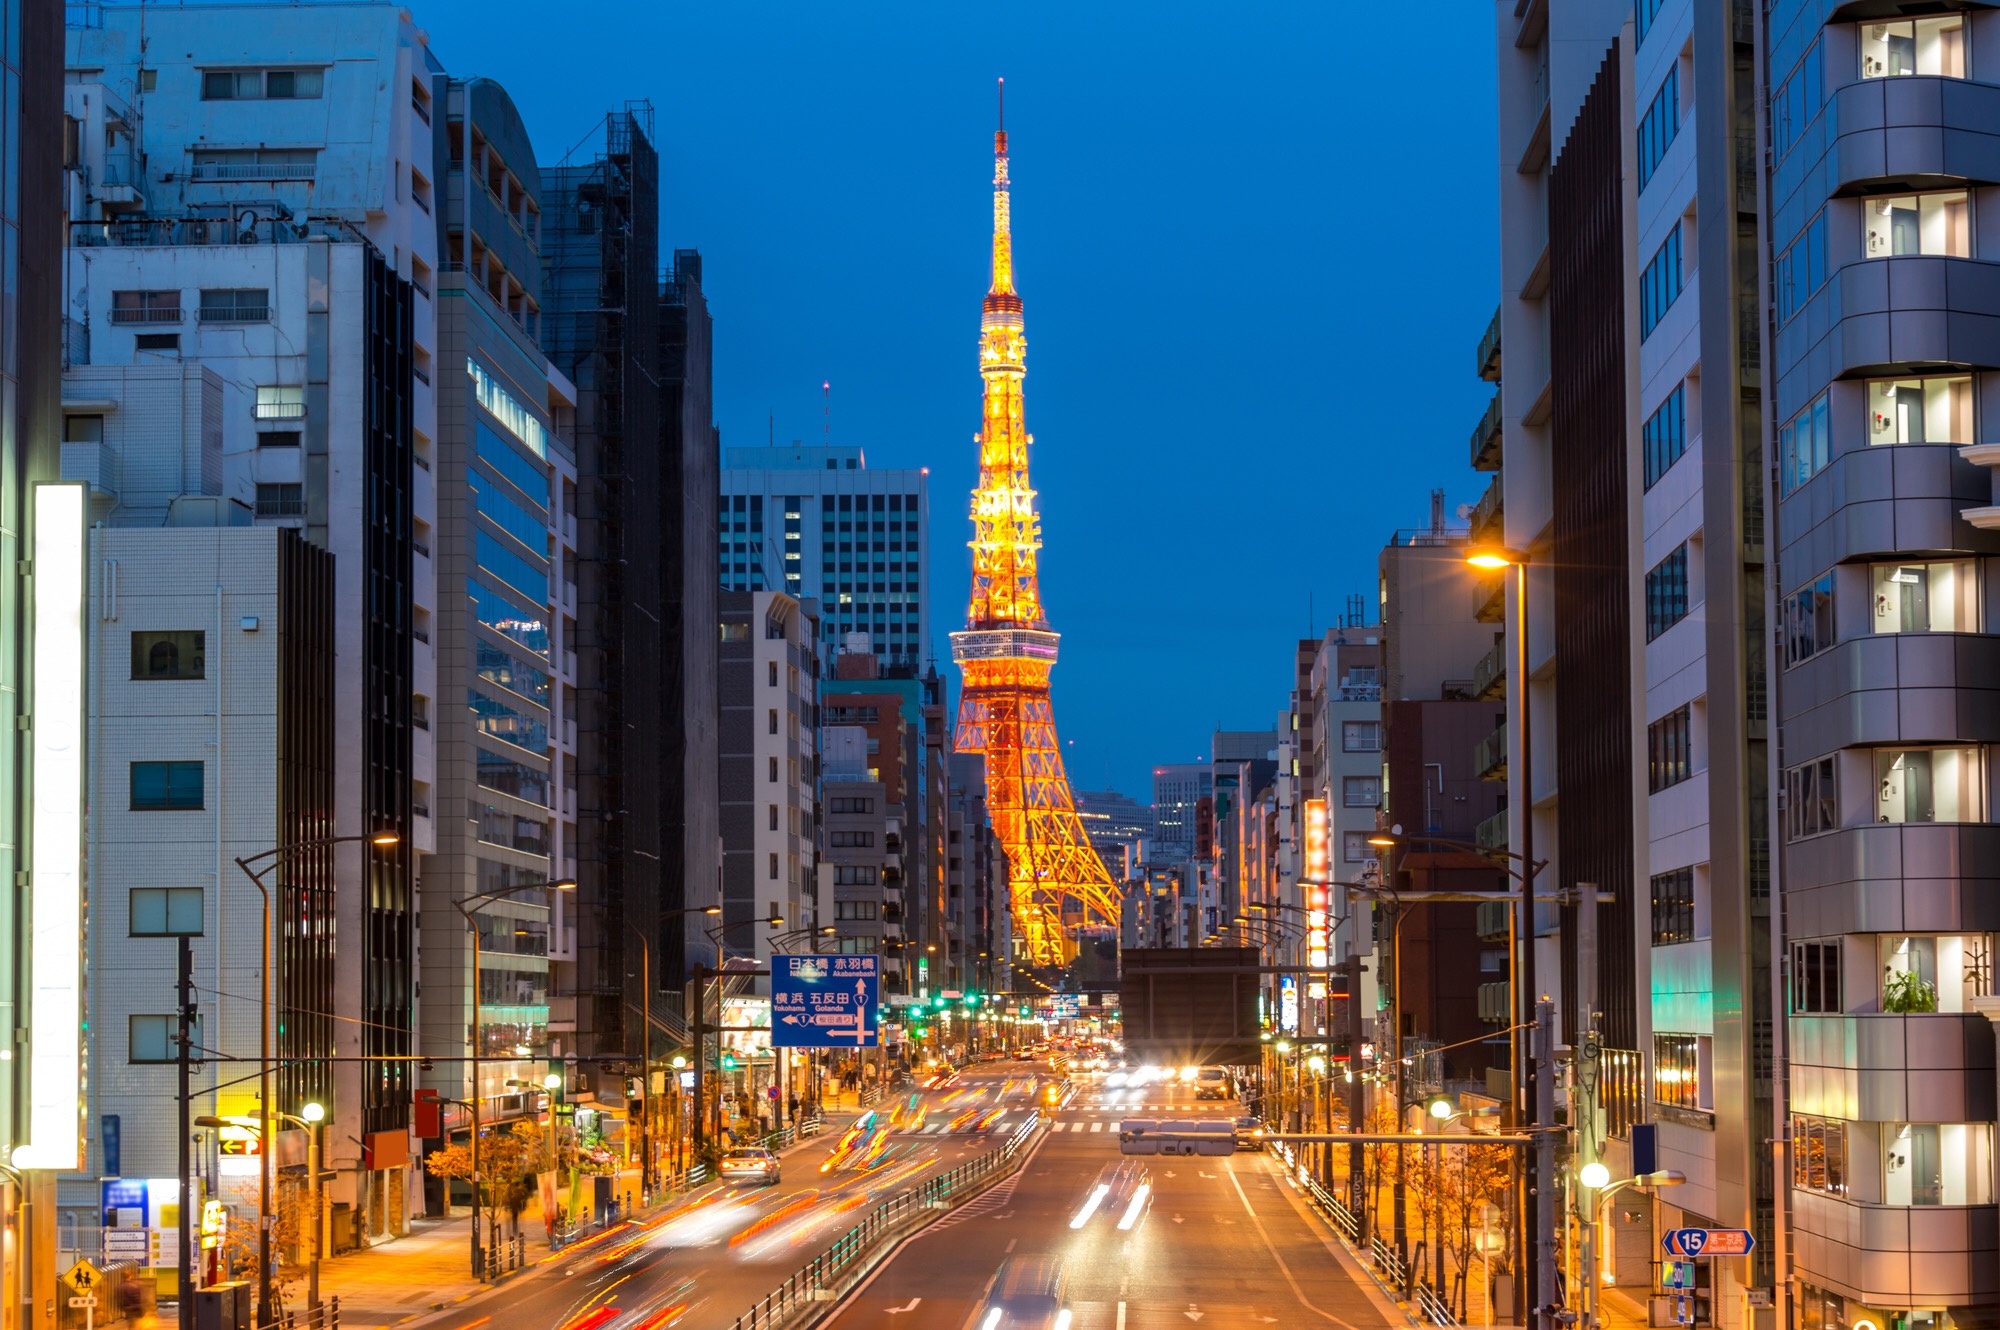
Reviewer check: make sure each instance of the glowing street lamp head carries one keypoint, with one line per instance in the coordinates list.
(384, 839)
(1593, 1175)
(1440, 1108)
(552, 1081)
(1494, 557)
(313, 1113)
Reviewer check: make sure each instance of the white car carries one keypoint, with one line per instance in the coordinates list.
(749, 1164)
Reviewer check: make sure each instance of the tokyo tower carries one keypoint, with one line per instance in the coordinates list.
(1057, 882)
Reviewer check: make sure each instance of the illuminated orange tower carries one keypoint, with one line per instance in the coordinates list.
(1056, 879)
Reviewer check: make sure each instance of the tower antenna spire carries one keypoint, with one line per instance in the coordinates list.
(1003, 217)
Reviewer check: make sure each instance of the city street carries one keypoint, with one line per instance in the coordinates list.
(1225, 1244)
(703, 1262)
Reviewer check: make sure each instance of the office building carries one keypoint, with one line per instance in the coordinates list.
(768, 676)
(817, 522)
(1178, 789)
(1879, 363)
(863, 850)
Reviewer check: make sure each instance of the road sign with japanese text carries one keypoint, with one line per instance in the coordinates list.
(1694, 1242)
(824, 1001)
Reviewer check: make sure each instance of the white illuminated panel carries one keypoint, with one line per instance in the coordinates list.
(55, 709)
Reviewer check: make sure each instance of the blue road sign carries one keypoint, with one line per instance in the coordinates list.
(1693, 1242)
(824, 1001)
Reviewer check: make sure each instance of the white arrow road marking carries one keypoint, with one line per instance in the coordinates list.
(898, 1311)
(1171, 1173)
(1177, 1219)
(1205, 1175)
(1192, 1314)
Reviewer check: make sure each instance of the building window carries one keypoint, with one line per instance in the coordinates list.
(736, 632)
(774, 865)
(1670, 749)
(1938, 597)
(281, 402)
(1801, 270)
(771, 673)
(1667, 593)
(169, 343)
(1660, 284)
(1797, 102)
(1354, 848)
(855, 910)
(850, 803)
(1673, 907)
(1660, 123)
(1361, 791)
(857, 945)
(1816, 984)
(243, 304)
(1819, 1154)
(83, 429)
(171, 655)
(1934, 410)
(774, 817)
(1937, 1163)
(279, 438)
(1914, 46)
(1804, 445)
(774, 771)
(1648, 10)
(1807, 617)
(238, 85)
(1812, 799)
(774, 720)
(1664, 435)
(1361, 736)
(856, 875)
(145, 307)
(1939, 224)
(850, 840)
(1677, 1070)
(281, 501)
(167, 787)
(1929, 785)
(157, 1038)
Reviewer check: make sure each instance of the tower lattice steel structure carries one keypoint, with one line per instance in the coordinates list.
(1057, 882)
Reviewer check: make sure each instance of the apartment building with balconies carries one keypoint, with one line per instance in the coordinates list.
(1882, 225)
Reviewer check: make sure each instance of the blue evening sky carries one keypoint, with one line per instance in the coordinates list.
(1257, 255)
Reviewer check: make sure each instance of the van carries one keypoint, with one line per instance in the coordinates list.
(1211, 1083)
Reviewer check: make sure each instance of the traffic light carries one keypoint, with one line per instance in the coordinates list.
(729, 1062)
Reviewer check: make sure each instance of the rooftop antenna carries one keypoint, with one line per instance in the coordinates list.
(826, 391)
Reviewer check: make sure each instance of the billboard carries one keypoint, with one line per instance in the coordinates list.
(1319, 842)
(1191, 1005)
(824, 1001)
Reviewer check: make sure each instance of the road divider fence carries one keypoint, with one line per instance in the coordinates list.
(833, 1273)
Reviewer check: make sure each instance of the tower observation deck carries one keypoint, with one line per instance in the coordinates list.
(1056, 880)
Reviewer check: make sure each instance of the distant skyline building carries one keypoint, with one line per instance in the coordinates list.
(1178, 789)
(817, 522)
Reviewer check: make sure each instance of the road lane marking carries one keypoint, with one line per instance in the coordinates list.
(1121, 1316)
(1011, 1243)
(898, 1311)
(1285, 1269)
(1097, 1126)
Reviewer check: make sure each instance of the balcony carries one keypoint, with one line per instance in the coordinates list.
(280, 411)
(147, 314)
(1489, 676)
(1489, 756)
(218, 171)
(1488, 514)
(234, 314)
(1489, 351)
(1486, 440)
(1492, 833)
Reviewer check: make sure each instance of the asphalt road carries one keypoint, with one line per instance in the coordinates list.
(1225, 1243)
(702, 1264)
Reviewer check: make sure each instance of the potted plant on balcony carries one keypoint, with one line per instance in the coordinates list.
(1905, 992)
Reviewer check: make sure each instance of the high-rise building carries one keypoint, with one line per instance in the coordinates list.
(768, 674)
(1630, 291)
(1879, 364)
(817, 522)
(1178, 788)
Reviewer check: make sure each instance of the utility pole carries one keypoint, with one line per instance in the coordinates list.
(1545, 1208)
(700, 1040)
(184, 1058)
(1357, 1091)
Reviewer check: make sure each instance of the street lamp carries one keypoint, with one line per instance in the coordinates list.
(381, 840)
(1594, 1176)
(465, 907)
(314, 1114)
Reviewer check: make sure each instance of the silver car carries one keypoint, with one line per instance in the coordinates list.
(749, 1165)
(1027, 1293)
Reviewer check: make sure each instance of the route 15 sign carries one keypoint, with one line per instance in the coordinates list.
(1694, 1242)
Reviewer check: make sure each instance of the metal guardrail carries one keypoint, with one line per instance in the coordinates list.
(326, 1316)
(1319, 1197)
(1390, 1262)
(832, 1273)
(1432, 1307)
